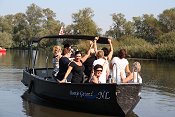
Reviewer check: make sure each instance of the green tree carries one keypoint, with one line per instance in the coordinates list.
(147, 27)
(6, 23)
(34, 16)
(120, 26)
(83, 23)
(20, 35)
(50, 24)
(5, 40)
(167, 19)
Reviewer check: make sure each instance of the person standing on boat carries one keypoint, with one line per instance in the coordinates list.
(88, 64)
(134, 76)
(63, 64)
(76, 67)
(55, 60)
(119, 64)
(97, 72)
(108, 53)
(103, 62)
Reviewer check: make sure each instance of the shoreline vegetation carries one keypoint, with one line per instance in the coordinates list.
(146, 36)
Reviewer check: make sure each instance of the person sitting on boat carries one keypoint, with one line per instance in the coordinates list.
(102, 61)
(97, 72)
(119, 64)
(63, 64)
(55, 60)
(134, 76)
(77, 68)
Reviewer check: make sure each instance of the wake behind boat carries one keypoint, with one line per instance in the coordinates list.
(109, 98)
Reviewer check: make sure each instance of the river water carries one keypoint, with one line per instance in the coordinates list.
(158, 93)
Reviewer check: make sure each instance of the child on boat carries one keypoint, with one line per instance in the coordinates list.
(134, 76)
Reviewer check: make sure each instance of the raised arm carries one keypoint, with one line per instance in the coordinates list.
(109, 57)
(95, 44)
(83, 59)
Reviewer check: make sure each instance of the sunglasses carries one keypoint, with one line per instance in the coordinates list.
(78, 56)
(99, 70)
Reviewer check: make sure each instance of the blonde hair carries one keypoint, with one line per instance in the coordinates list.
(100, 54)
(56, 48)
(136, 67)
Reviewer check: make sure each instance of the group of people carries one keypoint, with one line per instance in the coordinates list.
(96, 66)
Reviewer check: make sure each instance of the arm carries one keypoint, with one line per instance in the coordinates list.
(95, 44)
(122, 76)
(111, 65)
(128, 78)
(127, 70)
(66, 75)
(83, 59)
(107, 71)
(92, 74)
(109, 57)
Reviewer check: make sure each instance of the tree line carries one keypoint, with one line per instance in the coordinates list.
(144, 36)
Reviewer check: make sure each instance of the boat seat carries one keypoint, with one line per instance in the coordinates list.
(44, 73)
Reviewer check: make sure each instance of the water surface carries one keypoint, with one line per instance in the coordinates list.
(158, 93)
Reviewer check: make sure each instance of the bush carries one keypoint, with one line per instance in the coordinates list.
(166, 51)
(136, 47)
(167, 38)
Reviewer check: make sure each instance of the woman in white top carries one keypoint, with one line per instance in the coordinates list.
(120, 64)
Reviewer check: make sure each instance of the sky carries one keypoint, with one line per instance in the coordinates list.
(102, 8)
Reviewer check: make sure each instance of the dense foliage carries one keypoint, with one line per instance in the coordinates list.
(145, 36)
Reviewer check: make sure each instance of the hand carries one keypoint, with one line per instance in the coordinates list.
(96, 38)
(110, 41)
(62, 81)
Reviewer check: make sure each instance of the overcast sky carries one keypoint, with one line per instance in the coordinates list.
(102, 8)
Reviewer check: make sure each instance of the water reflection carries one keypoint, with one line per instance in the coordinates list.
(158, 74)
(158, 94)
(15, 58)
(36, 107)
(156, 103)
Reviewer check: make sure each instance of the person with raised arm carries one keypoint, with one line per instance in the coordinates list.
(76, 67)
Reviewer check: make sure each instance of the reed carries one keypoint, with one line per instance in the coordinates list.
(138, 48)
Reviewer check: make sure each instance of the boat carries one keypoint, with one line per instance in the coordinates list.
(106, 99)
(2, 50)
